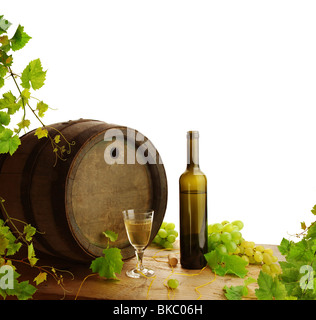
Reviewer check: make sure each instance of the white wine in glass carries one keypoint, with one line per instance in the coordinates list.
(138, 224)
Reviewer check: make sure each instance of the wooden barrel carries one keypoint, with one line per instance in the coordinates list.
(73, 202)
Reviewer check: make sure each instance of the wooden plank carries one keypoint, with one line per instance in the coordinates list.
(137, 289)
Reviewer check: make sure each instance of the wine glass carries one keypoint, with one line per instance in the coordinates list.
(138, 224)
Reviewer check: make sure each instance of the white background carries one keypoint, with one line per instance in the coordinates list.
(243, 73)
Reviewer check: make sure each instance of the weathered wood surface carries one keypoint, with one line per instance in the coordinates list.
(126, 288)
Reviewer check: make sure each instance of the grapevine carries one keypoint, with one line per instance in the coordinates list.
(31, 78)
(12, 236)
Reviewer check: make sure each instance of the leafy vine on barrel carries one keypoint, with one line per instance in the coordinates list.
(15, 233)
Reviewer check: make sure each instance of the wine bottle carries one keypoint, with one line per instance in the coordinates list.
(193, 208)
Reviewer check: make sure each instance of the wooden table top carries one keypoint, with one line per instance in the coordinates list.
(193, 284)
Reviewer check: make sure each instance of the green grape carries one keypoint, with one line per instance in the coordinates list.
(171, 238)
(210, 228)
(237, 241)
(224, 222)
(236, 235)
(167, 245)
(166, 235)
(211, 244)
(269, 251)
(267, 259)
(258, 256)
(249, 252)
(170, 226)
(275, 268)
(173, 283)
(238, 223)
(215, 237)
(274, 259)
(244, 244)
(162, 233)
(251, 244)
(157, 239)
(237, 251)
(266, 268)
(173, 232)
(241, 249)
(231, 246)
(252, 259)
(163, 225)
(247, 244)
(221, 249)
(244, 257)
(228, 227)
(217, 227)
(259, 248)
(226, 237)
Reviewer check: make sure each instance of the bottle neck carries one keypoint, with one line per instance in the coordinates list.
(193, 149)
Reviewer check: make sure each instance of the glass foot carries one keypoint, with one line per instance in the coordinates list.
(134, 273)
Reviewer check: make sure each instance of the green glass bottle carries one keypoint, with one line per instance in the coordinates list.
(193, 208)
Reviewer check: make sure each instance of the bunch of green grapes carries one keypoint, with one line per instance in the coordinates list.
(225, 236)
(166, 235)
(259, 255)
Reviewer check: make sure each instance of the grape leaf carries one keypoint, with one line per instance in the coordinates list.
(29, 232)
(270, 288)
(284, 246)
(224, 263)
(13, 248)
(108, 265)
(235, 292)
(5, 59)
(41, 108)
(290, 277)
(111, 235)
(8, 143)
(300, 252)
(4, 242)
(9, 101)
(3, 72)
(4, 25)
(311, 233)
(57, 138)
(23, 124)
(22, 290)
(8, 242)
(25, 96)
(41, 277)
(5, 43)
(31, 255)
(20, 39)
(41, 133)
(33, 75)
(4, 118)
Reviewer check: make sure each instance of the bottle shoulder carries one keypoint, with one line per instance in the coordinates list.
(193, 172)
(193, 179)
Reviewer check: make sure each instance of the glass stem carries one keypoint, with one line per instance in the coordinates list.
(140, 255)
